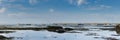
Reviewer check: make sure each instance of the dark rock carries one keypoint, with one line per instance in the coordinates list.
(110, 29)
(5, 38)
(106, 38)
(73, 32)
(92, 34)
(114, 35)
(117, 28)
(54, 27)
(1, 37)
(7, 31)
(58, 29)
(68, 29)
(96, 37)
(109, 38)
(83, 29)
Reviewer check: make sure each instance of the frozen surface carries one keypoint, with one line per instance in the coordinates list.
(93, 34)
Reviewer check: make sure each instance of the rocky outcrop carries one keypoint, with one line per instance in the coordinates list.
(117, 28)
(5, 38)
(58, 29)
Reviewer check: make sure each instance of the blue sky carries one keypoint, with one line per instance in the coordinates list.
(59, 11)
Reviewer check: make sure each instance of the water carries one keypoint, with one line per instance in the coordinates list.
(92, 34)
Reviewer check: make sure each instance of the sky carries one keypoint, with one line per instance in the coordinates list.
(59, 11)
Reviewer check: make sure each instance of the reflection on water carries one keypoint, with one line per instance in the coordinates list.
(60, 34)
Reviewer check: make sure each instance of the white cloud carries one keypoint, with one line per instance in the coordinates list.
(71, 1)
(76, 2)
(9, 4)
(79, 2)
(16, 15)
(51, 10)
(99, 7)
(22, 15)
(2, 10)
(32, 2)
(10, 0)
(105, 6)
(1, 1)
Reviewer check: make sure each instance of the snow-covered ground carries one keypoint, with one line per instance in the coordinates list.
(93, 34)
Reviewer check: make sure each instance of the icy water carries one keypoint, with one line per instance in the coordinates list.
(92, 34)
